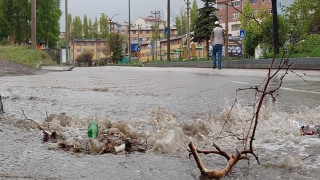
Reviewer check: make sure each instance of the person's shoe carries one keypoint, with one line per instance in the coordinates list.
(219, 68)
(213, 67)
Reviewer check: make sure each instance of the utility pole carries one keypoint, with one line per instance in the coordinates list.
(159, 38)
(227, 29)
(33, 24)
(67, 32)
(139, 27)
(275, 26)
(155, 25)
(168, 31)
(129, 46)
(188, 28)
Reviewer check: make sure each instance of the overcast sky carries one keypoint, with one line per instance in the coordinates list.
(139, 8)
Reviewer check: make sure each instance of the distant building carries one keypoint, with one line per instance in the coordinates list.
(282, 4)
(149, 22)
(95, 46)
(143, 34)
(150, 51)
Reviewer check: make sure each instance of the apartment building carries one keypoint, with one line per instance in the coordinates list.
(233, 14)
(95, 46)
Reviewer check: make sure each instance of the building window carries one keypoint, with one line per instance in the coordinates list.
(220, 6)
(235, 27)
(236, 3)
(235, 15)
(220, 18)
(253, 1)
(270, 11)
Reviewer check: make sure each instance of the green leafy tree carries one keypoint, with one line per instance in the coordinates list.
(5, 19)
(252, 39)
(194, 15)
(90, 29)
(14, 18)
(181, 22)
(69, 19)
(178, 25)
(85, 27)
(15, 21)
(246, 12)
(256, 34)
(104, 28)
(115, 42)
(48, 16)
(283, 29)
(205, 23)
(95, 29)
(304, 17)
(76, 31)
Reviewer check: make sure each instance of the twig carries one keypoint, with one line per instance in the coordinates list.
(308, 156)
(223, 153)
(33, 121)
(1, 106)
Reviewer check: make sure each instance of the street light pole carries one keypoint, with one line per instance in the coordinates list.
(110, 19)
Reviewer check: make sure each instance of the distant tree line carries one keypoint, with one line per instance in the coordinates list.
(87, 29)
(15, 21)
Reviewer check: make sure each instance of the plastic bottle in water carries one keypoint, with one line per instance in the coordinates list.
(93, 130)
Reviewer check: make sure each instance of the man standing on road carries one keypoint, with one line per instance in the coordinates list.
(217, 40)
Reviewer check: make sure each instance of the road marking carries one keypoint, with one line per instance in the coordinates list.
(284, 88)
(299, 90)
(238, 82)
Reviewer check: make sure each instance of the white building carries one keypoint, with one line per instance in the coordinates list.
(149, 22)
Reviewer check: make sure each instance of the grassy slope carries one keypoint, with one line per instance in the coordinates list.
(24, 55)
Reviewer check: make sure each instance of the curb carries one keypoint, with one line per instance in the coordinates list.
(297, 63)
(57, 68)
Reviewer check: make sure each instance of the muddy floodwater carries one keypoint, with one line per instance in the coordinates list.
(168, 108)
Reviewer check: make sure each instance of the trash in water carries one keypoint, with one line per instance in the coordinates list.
(93, 130)
(309, 129)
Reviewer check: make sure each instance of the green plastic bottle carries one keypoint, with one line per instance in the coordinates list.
(93, 130)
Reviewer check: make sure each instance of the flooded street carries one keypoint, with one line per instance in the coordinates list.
(168, 107)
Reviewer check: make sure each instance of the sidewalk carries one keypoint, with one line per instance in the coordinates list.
(57, 68)
(298, 63)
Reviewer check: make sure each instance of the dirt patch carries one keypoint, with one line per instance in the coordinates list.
(8, 68)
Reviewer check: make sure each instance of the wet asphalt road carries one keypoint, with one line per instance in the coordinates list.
(124, 93)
